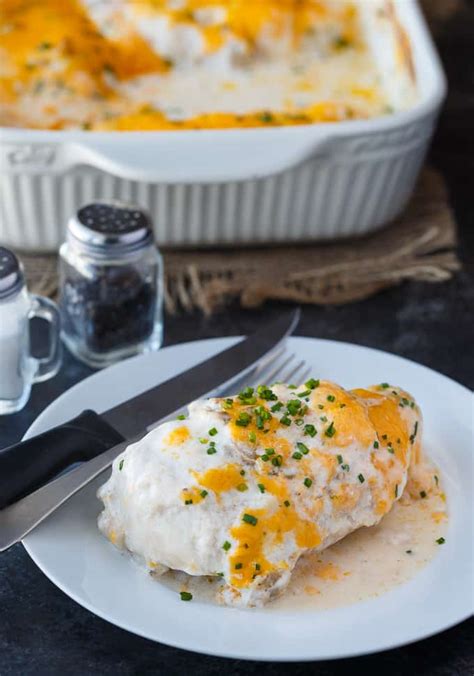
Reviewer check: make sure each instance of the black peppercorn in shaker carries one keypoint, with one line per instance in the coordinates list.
(111, 286)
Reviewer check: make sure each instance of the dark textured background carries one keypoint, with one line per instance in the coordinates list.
(43, 632)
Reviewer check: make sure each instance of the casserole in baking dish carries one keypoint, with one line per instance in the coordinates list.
(193, 64)
(179, 79)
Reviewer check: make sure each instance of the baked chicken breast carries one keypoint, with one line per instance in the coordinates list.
(243, 486)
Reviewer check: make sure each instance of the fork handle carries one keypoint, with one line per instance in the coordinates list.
(30, 464)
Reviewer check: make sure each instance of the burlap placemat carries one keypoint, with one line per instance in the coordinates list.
(420, 245)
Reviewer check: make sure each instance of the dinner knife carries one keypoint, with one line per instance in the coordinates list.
(29, 464)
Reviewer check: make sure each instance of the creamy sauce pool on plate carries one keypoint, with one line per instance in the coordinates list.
(363, 565)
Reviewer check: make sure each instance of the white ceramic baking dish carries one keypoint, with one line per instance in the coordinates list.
(230, 187)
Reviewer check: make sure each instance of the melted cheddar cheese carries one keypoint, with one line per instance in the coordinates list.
(194, 64)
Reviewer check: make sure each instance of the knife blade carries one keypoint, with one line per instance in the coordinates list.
(30, 464)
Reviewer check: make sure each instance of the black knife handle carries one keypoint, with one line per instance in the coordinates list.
(30, 464)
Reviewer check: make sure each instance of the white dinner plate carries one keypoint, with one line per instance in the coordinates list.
(75, 556)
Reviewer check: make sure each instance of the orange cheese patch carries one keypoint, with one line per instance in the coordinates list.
(178, 436)
(264, 529)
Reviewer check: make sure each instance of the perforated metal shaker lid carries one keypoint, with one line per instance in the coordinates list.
(11, 273)
(111, 227)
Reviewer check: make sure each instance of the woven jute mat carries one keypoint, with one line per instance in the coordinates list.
(420, 245)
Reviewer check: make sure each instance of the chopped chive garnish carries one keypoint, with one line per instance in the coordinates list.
(121, 465)
(238, 566)
(257, 566)
(242, 488)
(320, 406)
(292, 387)
(330, 431)
(250, 519)
(266, 393)
(436, 479)
(361, 478)
(243, 420)
(441, 541)
(270, 451)
(384, 437)
(376, 444)
(297, 456)
(308, 482)
(422, 494)
(181, 417)
(242, 472)
(312, 384)
(310, 430)
(203, 493)
(331, 397)
(299, 422)
(264, 457)
(323, 418)
(390, 449)
(276, 407)
(415, 431)
(185, 596)
(345, 467)
(277, 461)
(303, 448)
(293, 406)
(212, 432)
(203, 440)
(228, 403)
(261, 488)
(285, 421)
(385, 386)
(340, 459)
(287, 503)
(396, 490)
(211, 450)
(188, 502)
(303, 394)
(252, 437)
(226, 546)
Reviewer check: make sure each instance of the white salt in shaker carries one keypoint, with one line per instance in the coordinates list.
(18, 368)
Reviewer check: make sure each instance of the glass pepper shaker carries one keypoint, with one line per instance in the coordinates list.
(111, 284)
(19, 369)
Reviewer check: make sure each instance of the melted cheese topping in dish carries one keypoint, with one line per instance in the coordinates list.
(186, 64)
(245, 487)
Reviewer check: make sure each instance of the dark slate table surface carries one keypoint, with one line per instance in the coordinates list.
(43, 632)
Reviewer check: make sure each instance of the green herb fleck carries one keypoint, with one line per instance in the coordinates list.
(308, 482)
(250, 519)
(186, 596)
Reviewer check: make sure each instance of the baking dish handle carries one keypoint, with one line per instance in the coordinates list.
(196, 156)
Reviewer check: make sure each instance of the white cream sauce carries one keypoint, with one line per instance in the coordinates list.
(363, 565)
(287, 85)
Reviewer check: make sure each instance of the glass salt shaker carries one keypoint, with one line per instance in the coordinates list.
(19, 369)
(111, 284)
